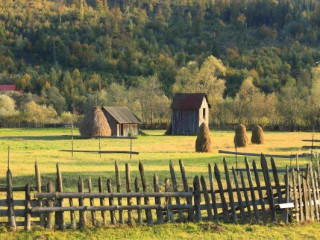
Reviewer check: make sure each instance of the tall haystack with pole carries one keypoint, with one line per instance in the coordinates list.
(95, 124)
(203, 142)
(257, 135)
(240, 138)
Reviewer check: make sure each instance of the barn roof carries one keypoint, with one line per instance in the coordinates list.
(122, 114)
(188, 100)
(9, 88)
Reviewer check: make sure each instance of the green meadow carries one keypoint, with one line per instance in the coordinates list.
(45, 145)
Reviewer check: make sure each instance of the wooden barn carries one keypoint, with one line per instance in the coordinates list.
(122, 121)
(189, 111)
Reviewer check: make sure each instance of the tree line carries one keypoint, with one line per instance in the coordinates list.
(70, 54)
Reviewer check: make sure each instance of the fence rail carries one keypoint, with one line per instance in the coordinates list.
(258, 195)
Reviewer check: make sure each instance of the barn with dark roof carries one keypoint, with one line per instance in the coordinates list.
(122, 121)
(189, 111)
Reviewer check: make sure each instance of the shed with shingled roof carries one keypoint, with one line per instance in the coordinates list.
(189, 111)
(122, 121)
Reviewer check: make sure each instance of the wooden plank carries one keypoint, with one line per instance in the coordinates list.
(287, 196)
(311, 207)
(112, 213)
(300, 191)
(212, 192)
(295, 195)
(317, 187)
(11, 215)
(223, 199)
(128, 186)
(157, 199)
(102, 201)
(261, 200)
(27, 219)
(103, 137)
(256, 154)
(38, 189)
(206, 198)
(197, 198)
(50, 223)
(58, 195)
(314, 193)
(170, 217)
(305, 200)
(229, 187)
(276, 179)
(82, 214)
(175, 188)
(245, 193)
(118, 184)
(310, 147)
(253, 197)
(101, 152)
(93, 213)
(137, 190)
(264, 166)
(186, 189)
(240, 203)
(60, 219)
(145, 189)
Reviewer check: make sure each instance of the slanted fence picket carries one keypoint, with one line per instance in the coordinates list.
(255, 195)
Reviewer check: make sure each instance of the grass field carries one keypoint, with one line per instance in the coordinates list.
(43, 145)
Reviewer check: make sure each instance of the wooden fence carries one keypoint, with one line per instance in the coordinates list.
(249, 195)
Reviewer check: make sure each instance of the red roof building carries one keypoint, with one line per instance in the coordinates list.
(9, 88)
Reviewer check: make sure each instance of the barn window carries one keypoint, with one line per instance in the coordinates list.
(204, 113)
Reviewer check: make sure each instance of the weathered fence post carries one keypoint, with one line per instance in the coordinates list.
(206, 198)
(223, 199)
(300, 191)
(287, 195)
(242, 213)
(72, 215)
(265, 169)
(60, 221)
(314, 193)
(311, 207)
(112, 212)
(263, 207)
(305, 200)
(170, 217)
(276, 180)
(253, 197)
(27, 219)
(229, 186)
(128, 186)
(102, 202)
(82, 214)
(175, 188)
(145, 189)
(157, 199)
(295, 195)
(118, 184)
(93, 213)
(245, 193)
(11, 215)
(197, 197)
(213, 195)
(186, 189)
(137, 189)
(50, 222)
(38, 187)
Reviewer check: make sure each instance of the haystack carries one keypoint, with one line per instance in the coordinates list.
(240, 138)
(95, 124)
(257, 135)
(203, 142)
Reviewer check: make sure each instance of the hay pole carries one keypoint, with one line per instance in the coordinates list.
(72, 144)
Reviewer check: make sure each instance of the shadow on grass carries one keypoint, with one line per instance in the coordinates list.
(47, 138)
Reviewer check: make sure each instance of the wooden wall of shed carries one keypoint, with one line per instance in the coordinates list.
(132, 128)
(185, 122)
(112, 123)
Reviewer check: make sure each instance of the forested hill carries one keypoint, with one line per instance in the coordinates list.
(82, 46)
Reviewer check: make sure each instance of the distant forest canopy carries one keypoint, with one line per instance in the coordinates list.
(72, 53)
